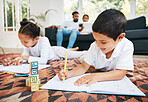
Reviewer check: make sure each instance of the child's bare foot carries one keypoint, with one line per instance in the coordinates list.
(74, 49)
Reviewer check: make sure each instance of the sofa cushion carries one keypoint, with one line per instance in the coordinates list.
(140, 46)
(88, 37)
(51, 33)
(137, 34)
(136, 23)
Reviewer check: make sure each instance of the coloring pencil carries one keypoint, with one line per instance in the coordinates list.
(65, 65)
(3, 52)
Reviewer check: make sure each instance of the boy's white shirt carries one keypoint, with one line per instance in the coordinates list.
(121, 58)
(41, 52)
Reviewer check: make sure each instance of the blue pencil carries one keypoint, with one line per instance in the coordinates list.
(21, 75)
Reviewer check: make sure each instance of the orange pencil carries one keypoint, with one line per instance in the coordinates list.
(6, 57)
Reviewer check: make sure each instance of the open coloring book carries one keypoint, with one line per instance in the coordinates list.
(118, 87)
(24, 68)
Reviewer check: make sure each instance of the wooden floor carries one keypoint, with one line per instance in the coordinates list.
(20, 50)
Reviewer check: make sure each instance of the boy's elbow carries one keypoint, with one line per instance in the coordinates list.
(122, 73)
(85, 66)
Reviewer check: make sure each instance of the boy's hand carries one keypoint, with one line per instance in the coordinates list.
(17, 61)
(7, 62)
(62, 74)
(87, 79)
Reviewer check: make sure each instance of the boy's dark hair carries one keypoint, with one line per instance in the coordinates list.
(111, 23)
(29, 28)
(75, 12)
(86, 15)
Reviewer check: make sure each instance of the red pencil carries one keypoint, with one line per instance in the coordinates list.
(4, 53)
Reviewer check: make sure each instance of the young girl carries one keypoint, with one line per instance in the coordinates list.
(38, 48)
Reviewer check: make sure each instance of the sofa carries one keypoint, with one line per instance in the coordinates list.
(83, 41)
(136, 31)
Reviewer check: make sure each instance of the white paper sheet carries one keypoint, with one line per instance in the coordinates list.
(118, 87)
(68, 85)
(24, 68)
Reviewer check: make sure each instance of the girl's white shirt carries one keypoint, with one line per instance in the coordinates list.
(41, 52)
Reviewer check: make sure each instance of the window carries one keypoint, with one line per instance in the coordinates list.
(142, 8)
(69, 7)
(14, 11)
(94, 7)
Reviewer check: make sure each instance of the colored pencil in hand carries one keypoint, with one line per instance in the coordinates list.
(65, 65)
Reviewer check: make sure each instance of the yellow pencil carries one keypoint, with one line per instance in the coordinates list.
(11, 73)
(65, 65)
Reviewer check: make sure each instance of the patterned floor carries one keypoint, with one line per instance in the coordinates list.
(14, 89)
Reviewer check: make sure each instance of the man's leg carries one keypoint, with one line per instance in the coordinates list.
(60, 33)
(72, 38)
(59, 36)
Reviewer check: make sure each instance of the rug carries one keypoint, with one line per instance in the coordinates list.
(14, 89)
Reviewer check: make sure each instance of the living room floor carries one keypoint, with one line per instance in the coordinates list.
(20, 50)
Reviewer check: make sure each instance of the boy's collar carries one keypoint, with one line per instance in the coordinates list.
(117, 49)
(115, 52)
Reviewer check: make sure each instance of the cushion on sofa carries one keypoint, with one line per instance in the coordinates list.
(50, 33)
(136, 23)
(140, 46)
(137, 34)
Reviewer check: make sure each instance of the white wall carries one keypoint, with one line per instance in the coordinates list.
(132, 9)
(10, 39)
(54, 16)
(1, 22)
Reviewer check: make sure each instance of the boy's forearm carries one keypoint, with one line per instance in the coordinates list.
(111, 75)
(77, 71)
(80, 69)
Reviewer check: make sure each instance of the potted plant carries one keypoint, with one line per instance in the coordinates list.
(40, 20)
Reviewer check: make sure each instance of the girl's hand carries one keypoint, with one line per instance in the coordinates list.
(7, 62)
(87, 79)
(18, 61)
(62, 74)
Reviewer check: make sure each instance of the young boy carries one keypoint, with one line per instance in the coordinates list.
(111, 52)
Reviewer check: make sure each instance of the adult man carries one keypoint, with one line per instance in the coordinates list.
(69, 28)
